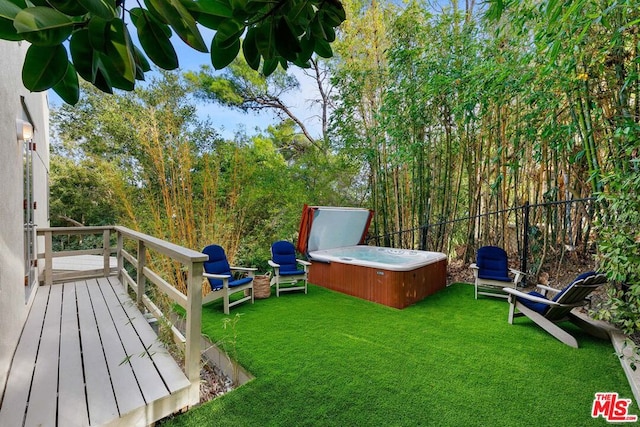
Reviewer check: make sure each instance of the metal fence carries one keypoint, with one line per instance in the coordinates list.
(540, 234)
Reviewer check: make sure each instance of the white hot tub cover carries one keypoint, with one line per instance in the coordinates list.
(328, 227)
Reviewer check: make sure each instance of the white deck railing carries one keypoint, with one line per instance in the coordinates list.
(192, 267)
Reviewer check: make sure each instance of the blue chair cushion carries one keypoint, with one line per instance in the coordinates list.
(535, 306)
(284, 254)
(218, 264)
(291, 273)
(493, 264)
(240, 282)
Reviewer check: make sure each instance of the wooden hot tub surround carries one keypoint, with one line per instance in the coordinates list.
(398, 289)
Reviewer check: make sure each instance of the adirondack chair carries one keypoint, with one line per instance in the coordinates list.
(491, 271)
(546, 310)
(287, 269)
(220, 275)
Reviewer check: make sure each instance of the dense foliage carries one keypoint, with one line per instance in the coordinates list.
(435, 114)
(104, 53)
(144, 159)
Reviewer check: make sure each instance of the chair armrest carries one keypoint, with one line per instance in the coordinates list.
(216, 276)
(273, 264)
(533, 298)
(224, 277)
(247, 269)
(303, 262)
(519, 275)
(548, 288)
(475, 269)
(251, 272)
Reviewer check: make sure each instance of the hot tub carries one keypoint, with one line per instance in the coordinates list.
(393, 277)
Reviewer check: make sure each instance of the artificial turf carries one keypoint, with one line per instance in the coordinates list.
(328, 359)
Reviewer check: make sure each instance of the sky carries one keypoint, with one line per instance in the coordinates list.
(227, 121)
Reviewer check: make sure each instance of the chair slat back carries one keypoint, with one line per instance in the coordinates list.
(574, 293)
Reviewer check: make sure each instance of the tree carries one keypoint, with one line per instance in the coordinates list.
(84, 192)
(240, 88)
(104, 53)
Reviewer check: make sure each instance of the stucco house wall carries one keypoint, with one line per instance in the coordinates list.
(14, 296)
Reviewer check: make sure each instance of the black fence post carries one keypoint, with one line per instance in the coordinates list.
(525, 240)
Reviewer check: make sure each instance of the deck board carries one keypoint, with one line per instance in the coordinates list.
(19, 381)
(100, 397)
(148, 377)
(72, 404)
(45, 376)
(164, 362)
(68, 367)
(125, 386)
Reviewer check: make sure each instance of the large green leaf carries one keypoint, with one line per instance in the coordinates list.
(154, 39)
(8, 31)
(99, 29)
(287, 43)
(323, 48)
(211, 13)
(68, 88)
(8, 10)
(265, 39)
(40, 18)
(333, 12)
(101, 79)
(222, 56)
(44, 66)
(109, 68)
(181, 21)
(103, 8)
(228, 32)
(307, 44)
(219, 8)
(250, 49)
(141, 60)
(269, 66)
(43, 26)
(82, 54)
(68, 7)
(119, 55)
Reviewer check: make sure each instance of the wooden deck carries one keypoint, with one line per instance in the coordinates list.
(88, 357)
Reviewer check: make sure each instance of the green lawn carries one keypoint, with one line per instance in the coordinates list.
(327, 359)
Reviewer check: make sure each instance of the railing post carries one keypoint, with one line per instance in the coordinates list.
(106, 252)
(140, 279)
(194, 327)
(525, 240)
(121, 259)
(48, 258)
